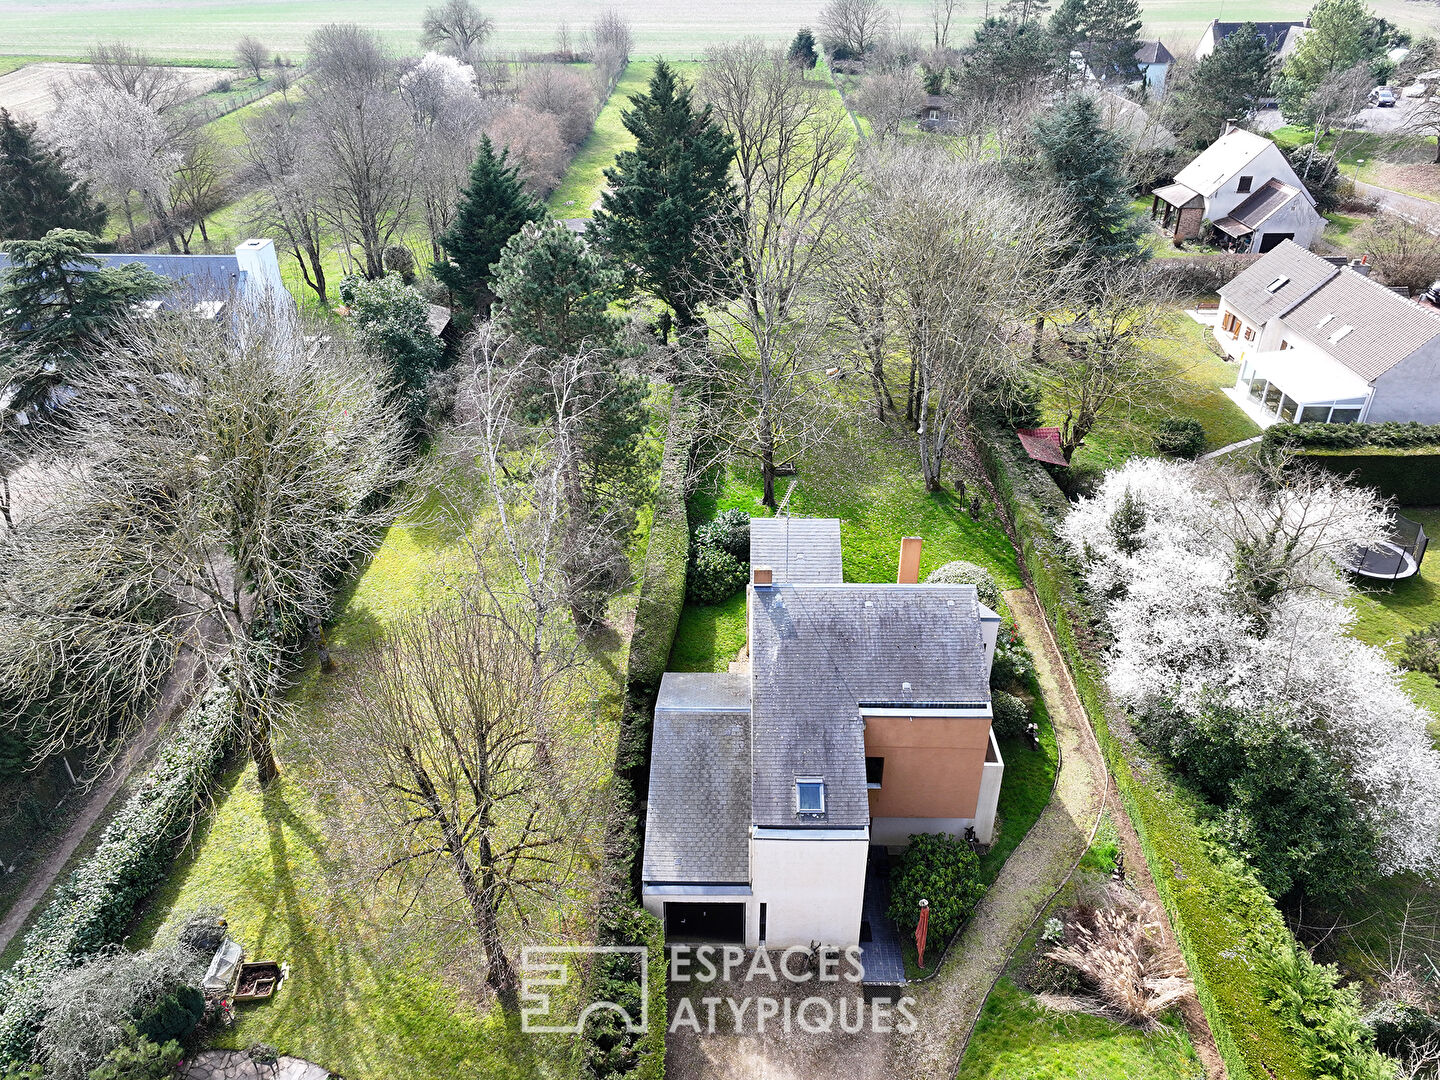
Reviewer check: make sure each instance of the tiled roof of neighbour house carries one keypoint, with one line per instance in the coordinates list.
(799, 550)
(1385, 326)
(697, 826)
(1254, 292)
(1221, 160)
(1153, 52)
(1264, 201)
(818, 652)
(1179, 195)
(1273, 32)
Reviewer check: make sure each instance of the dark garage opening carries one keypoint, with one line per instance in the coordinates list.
(723, 923)
(1270, 241)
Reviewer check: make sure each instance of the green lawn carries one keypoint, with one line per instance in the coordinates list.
(1386, 613)
(1018, 1039)
(1372, 158)
(358, 1001)
(1200, 375)
(869, 478)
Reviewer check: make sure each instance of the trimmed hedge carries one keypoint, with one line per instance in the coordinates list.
(610, 1053)
(1401, 461)
(1390, 435)
(1221, 915)
(94, 907)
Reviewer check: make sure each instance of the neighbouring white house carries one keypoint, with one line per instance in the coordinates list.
(1318, 341)
(1281, 37)
(861, 717)
(1244, 188)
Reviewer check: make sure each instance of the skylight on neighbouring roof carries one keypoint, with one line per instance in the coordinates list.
(1278, 284)
(810, 796)
(1340, 333)
(1325, 321)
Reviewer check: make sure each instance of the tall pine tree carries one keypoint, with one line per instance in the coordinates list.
(1107, 32)
(667, 196)
(37, 193)
(1230, 83)
(492, 209)
(1083, 159)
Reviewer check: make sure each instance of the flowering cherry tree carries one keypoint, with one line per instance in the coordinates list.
(1225, 589)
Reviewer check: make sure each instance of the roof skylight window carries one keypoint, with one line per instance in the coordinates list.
(810, 795)
(1325, 321)
(1347, 328)
(1278, 284)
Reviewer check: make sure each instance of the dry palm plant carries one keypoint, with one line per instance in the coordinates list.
(1121, 952)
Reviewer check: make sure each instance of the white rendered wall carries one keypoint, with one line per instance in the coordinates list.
(813, 890)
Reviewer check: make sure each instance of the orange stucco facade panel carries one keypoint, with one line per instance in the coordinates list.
(933, 764)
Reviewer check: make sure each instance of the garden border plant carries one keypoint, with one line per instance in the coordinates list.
(94, 907)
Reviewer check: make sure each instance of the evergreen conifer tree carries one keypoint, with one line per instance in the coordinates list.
(1228, 84)
(554, 290)
(667, 196)
(1083, 158)
(802, 49)
(37, 192)
(492, 209)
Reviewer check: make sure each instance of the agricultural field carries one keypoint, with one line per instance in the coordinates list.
(26, 91)
(207, 29)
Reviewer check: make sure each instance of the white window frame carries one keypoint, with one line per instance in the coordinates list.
(819, 781)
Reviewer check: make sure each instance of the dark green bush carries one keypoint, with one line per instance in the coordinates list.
(1180, 436)
(1391, 435)
(1013, 663)
(714, 575)
(960, 572)
(1017, 407)
(730, 531)
(1422, 650)
(942, 869)
(1012, 713)
(140, 1058)
(1276, 801)
(1401, 1031)
(175, 1016)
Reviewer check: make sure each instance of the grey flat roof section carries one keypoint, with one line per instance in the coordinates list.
(817, 653)
(1249, 291)
(799, 550)
(697, 824)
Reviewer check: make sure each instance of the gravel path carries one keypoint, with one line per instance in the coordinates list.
(946, 1005)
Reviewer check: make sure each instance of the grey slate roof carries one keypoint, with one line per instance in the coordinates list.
(1249, 291)
(1273, 32)
(205, 276)
(1264, 201)
(697, 824)
(819, 652)
(1153, 52)
(799, 550)
(1388, 327)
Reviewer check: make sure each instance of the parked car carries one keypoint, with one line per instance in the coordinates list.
(1382, 97)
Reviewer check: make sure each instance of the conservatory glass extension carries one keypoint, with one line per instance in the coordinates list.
(1293, 387)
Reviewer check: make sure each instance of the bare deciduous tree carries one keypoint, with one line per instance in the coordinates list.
(888, 97)
(456, 27)
(127, 70)
(535, 145)
(278, 163)
(224, 473)
(1405, 255)
(563, 94)
(363, 131)
(448, 117)
(855, 26)
(1105, 356)
(252, 56)
(197, 189)
(471, 779)
(795, 172)
(942, 12)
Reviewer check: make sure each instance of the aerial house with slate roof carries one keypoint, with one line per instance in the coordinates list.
(1318, 341)
(862, 717)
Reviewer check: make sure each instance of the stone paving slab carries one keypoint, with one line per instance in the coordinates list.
(236, 1065)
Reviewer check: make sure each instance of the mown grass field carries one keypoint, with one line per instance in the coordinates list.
(675, 28)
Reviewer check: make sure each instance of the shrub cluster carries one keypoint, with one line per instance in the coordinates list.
(1422, 650)
(719, 558)
(942, 869)
(94, 907)
(1180, 436)
(961, 572)
(1390, 435)
(1012, 713)
(1013, 664)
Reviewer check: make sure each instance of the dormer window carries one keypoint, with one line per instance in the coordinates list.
(809, 796)
(1244, 186)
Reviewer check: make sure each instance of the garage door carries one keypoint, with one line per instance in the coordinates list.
(722, 923)
(1274, 240)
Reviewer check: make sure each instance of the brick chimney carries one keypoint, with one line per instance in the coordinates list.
(909, 561)
(762, 575)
